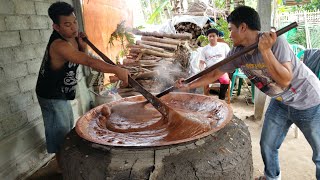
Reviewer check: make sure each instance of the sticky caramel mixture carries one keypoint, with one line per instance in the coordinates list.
(132, 123)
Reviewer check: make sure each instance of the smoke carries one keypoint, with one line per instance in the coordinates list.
(168, 73)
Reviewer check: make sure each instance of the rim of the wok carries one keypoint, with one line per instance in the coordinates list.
(83, 121)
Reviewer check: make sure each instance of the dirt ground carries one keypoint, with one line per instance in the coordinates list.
(295, 153)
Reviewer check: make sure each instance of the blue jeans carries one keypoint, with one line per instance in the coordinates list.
(278, 119)
(58, 121)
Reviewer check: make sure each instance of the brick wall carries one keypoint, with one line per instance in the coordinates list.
(24, 32)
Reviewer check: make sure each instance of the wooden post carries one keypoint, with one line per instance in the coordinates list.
(275, 14)
(260, 99)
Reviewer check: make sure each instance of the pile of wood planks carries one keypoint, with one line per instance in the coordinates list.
(157, 60)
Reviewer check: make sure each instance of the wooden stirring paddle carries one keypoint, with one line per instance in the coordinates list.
(226, 60)
(158, 104)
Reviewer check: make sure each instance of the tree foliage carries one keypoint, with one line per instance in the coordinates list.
(312, 6)
(221, 25)
(122, 35)
(154, 17)
(153, 10)
(298, 37)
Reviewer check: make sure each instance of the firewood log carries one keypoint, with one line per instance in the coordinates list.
(130, 62)
(145, 46)
(134, 46)
(161, 40)
(165, 54)
(157, 34)
(135, 50)
(150, 57)
(139, 57)
(158, 44)
(148, 61)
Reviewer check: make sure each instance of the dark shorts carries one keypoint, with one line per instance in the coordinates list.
(58, 121)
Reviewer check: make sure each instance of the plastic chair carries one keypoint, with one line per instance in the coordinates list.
(300, 53)
(241, 76)
(297, 48)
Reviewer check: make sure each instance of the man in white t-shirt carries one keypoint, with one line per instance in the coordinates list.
(211, 54)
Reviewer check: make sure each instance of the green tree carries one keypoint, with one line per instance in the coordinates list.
(312, 6)
(155, 17)
(298, 37)
(154, 10)
(222, 25)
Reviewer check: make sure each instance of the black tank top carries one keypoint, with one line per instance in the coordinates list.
(56, 84)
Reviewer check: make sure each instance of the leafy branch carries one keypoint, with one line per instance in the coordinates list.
(121, 34)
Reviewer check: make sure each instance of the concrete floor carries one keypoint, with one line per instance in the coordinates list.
(47, 172)
(295, 153)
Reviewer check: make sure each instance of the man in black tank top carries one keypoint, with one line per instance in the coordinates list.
(57, 76)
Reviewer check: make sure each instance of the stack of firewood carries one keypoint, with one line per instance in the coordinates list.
(192, 28)
(157, 60)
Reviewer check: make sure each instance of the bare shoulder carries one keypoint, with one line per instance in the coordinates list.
(63, 50)
(60, 45)
(56, 52)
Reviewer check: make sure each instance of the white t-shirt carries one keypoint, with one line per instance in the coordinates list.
(214, 54)
(194, 61)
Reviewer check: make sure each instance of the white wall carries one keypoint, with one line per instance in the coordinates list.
(24, 32)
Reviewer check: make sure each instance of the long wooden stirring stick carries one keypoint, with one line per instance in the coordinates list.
(158, 104)
(227, 60)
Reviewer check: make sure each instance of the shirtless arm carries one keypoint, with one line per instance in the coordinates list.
(280, 73)
(63, 51)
